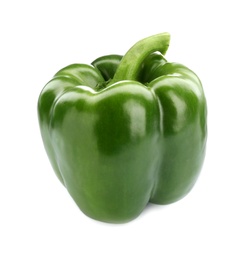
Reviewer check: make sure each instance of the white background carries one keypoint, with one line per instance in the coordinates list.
(38, 218)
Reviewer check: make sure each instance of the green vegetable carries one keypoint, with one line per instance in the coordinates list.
(125, 131)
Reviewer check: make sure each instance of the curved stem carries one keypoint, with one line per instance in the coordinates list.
(131, 63)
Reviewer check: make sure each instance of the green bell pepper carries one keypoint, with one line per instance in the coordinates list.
(125, 131)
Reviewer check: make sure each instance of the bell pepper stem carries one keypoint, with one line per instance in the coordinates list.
(131, 62)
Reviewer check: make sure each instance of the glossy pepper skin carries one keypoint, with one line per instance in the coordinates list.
(125, 131)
